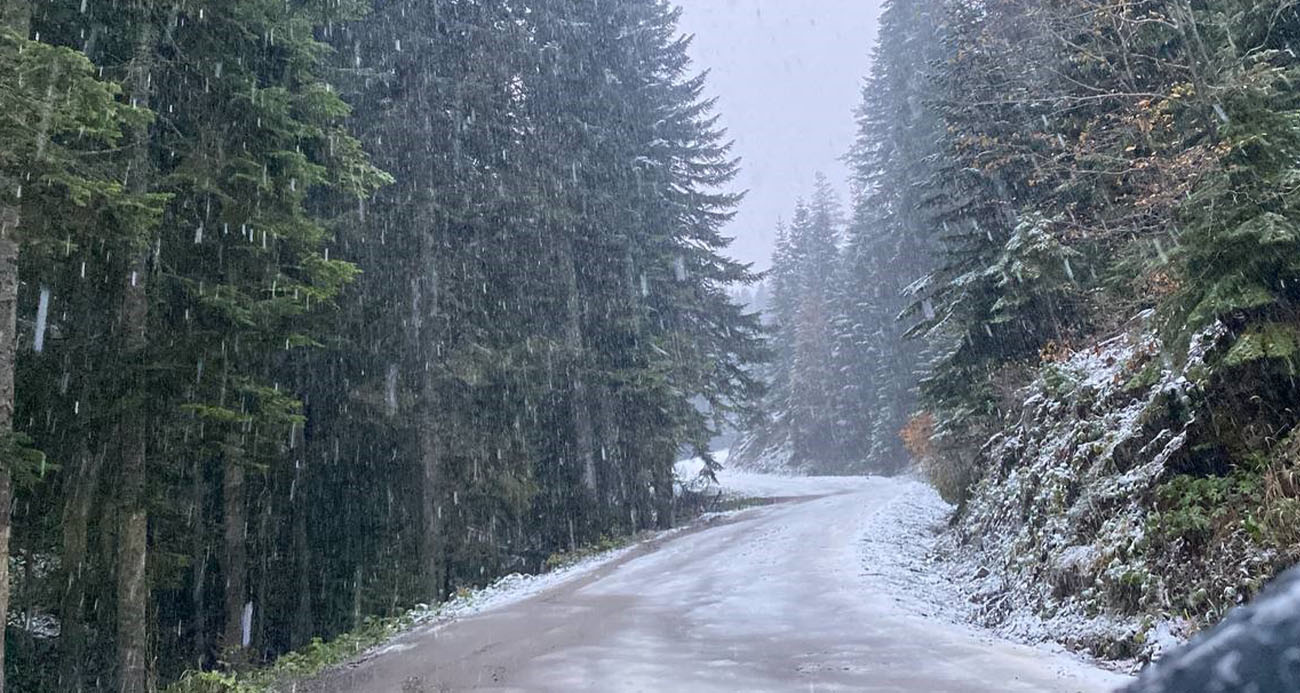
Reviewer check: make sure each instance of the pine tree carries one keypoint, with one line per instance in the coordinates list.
(54, 93)
(891, 242)
(1236, 256)
(804, 426)
(317, 406)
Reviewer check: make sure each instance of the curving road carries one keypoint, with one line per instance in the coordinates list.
(772, 599)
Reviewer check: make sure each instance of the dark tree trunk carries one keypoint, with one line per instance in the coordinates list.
(235, 555)
(430, 492)
(425, 318)
(15, 15)
(82, 487)
(132, 556)
(259, 594)
(663, 482)
(133, 518)
(579, 400)
(302, 629)
(200, 555)
(8, 325)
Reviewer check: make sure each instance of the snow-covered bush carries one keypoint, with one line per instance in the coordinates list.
(1119, 505)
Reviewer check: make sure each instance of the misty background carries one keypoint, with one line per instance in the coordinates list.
(788, 76)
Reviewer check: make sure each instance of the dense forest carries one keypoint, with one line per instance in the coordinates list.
(313, 311)
(316, 310)
(1067, 288)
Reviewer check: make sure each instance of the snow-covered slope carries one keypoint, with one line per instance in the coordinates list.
(763, 450)
(1053, 543)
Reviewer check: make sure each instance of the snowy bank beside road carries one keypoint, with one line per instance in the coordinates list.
(898, 552)
(1059, 538)
(506, 591)
(906, 553)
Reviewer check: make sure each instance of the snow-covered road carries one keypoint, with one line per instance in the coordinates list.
(775, 598)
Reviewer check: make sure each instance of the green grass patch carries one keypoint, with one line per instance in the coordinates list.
(564, 559)
(1145, 379)
(310, 661)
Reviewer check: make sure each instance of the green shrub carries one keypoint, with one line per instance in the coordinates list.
(1057, 382)
(1192, 508)
(212, 682)
(563, 559)
(311, 660)
(1144, 380)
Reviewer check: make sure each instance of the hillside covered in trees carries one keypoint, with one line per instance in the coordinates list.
(1068, 288)
(316, 310)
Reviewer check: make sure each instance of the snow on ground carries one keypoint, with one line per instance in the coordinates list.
(737, 483)
(898, 551)
(503, 593)
(515, 588)
(808, 577)
(818, 594)
(903, 552)
(848, 574)
(512, 589)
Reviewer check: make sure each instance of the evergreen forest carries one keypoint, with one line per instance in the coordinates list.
(315, 311)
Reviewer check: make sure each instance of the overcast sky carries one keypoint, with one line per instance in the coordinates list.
(788, 74)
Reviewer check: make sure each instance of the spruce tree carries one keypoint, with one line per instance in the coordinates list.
(890, 239)
(54, 93)
(803, 427)
(316, 406)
